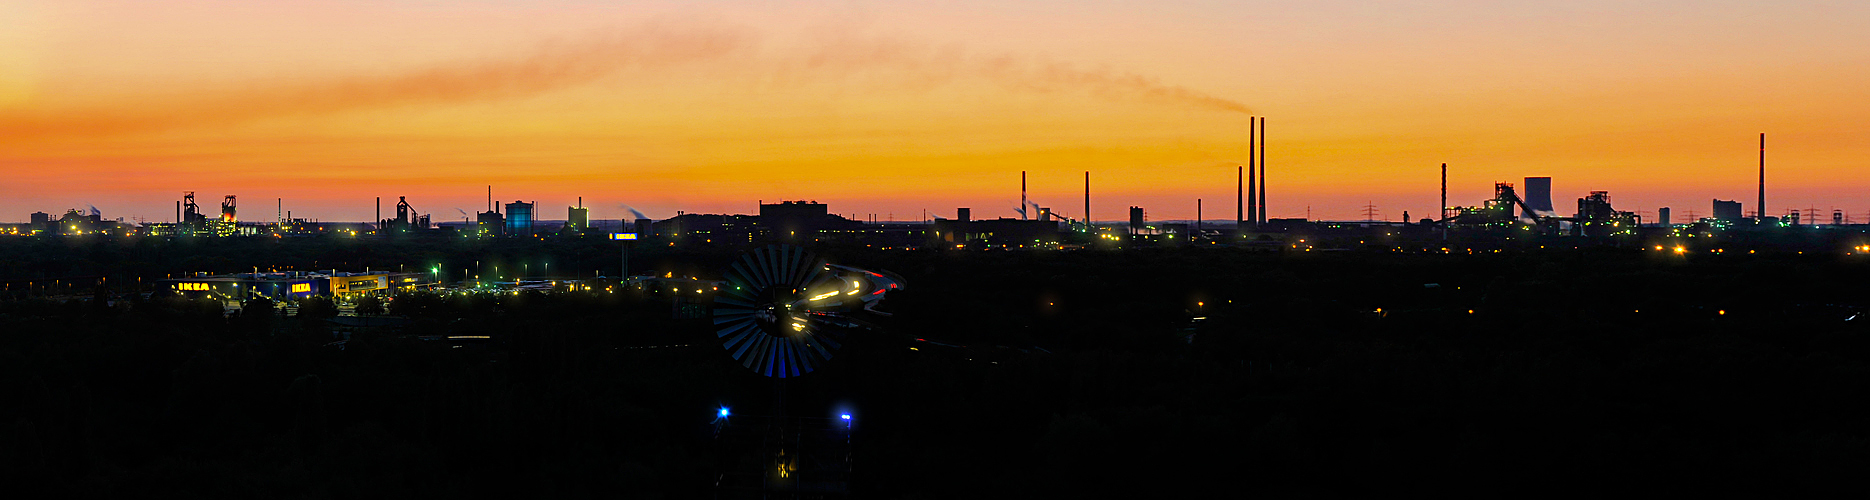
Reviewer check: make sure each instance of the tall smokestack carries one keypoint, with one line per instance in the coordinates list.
(1087, 201)
(1444, 193)
(1444, 202)
(1759, 209)
(379, 212)
(490, 197)
(1262, 170)
(1253, 140)
(1197, 217)
(1022, 195)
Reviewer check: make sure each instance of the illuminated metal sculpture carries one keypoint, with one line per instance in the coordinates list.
(781, 310)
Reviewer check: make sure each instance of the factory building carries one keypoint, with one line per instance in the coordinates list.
(963, 231)
(407, 220)
(519, 219)
(297, 285)
(76, 223)
(800, 220)
(706, 228)
(1727, 210)
(577, 219)
(489, 224)
(1597, 219)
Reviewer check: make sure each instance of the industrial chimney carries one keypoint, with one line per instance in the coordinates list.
(1262, 214)
(1759, 209)
(1253, 211)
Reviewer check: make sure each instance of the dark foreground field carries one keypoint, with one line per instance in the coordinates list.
(1081, 373)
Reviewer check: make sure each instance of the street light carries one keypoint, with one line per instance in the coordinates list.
(628, 240)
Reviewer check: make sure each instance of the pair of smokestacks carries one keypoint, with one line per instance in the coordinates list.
(1247, 210)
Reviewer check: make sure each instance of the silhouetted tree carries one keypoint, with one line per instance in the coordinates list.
(257, 306)
(370, 305)
(317, 307)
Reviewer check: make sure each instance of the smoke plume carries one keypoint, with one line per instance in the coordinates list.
(835, 60)
(550, 67)
(633, 211)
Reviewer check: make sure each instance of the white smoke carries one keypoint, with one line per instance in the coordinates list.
(634, 212)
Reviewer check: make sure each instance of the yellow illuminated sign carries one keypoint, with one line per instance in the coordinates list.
(195, 287)
(301, 287)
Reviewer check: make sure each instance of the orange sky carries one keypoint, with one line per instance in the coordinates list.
(881, 107)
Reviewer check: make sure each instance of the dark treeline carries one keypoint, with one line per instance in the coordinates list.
(1082, 373)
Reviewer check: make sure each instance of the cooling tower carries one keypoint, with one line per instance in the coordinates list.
(1538, 196)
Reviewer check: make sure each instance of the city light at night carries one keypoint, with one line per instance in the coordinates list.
(1092, 249)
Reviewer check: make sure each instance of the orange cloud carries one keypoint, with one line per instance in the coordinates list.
(562, 65)
(550, 68)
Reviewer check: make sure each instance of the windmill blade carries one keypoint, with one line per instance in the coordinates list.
(776, 263)
(782, 363)
(752, 340)
(750, 270)
(810, 278)
(782, 264)
(758, 350)
(737, 286)
(769, 264)
(798, 366)
(765, 268)
(754, 274)
(800, 259)
(816, 348)
(736, 337)
(744, 315)
(740, 342)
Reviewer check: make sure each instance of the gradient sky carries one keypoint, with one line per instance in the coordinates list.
(900, 107)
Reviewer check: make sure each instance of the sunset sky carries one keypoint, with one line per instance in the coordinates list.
(900, 107)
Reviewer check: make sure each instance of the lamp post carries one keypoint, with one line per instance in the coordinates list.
(623, 271)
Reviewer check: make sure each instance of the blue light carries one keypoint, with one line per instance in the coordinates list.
(723, 412)
(846, 416)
